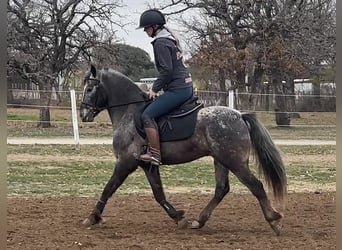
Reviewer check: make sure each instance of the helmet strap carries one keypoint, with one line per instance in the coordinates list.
(155, 29)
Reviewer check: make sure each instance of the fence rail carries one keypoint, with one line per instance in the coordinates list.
(209, 98)
(263, 102)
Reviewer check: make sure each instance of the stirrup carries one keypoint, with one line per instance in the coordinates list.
(152, 155)
(151, 159)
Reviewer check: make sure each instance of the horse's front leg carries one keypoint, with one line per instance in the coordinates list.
(153, 176)
(122, 169)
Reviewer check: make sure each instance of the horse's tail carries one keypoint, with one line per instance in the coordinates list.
(268, 156)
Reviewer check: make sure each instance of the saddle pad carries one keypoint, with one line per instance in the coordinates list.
(173, 127)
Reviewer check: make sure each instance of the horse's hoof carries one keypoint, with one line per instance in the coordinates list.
(87, 223)
(182, 224)
(90, 222)
(276, 226)
(195, 225)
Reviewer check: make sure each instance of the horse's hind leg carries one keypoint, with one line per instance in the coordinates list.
(222, 188)
(121, 171)
(244, 174)
(153, 176)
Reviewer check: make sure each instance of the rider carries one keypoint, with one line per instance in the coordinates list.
(174, 79)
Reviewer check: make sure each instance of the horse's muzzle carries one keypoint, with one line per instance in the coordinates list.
(86, 115)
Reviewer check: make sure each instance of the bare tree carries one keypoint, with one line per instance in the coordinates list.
(298, 45)
(277, 39)
(47, 37)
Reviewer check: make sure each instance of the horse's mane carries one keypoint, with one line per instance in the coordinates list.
(115, 73)
(120, 78)
(123, 82)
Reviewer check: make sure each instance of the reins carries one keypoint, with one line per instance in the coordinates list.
(97, 109)
(126, 104)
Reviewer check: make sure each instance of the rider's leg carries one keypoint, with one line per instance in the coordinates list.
(153, 151)
(162, 105)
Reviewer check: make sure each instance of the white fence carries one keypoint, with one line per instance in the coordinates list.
(72, 99)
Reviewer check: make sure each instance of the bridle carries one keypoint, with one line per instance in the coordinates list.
(92, 107)
(95, 109)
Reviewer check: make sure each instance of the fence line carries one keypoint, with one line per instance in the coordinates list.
(262, 94)
(73, 108)
(109, 124)
(241, 110)
(78, 92)
(34, 106)
(38, 90)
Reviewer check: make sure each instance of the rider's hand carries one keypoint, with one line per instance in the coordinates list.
(152, 94)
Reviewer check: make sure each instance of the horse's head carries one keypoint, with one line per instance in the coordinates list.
(108, 89)
(94, 98)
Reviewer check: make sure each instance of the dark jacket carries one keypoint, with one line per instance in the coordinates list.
(169, 62)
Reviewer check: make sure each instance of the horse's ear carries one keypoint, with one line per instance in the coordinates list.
(93, 70)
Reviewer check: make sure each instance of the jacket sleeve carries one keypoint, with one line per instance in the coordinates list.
(165, 68)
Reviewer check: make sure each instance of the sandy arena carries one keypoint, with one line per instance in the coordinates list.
(137, 222)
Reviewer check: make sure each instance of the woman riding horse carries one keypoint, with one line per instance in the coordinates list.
(174, 79)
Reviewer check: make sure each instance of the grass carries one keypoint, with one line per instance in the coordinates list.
(306, 118)
(22, 117)
(61, 170)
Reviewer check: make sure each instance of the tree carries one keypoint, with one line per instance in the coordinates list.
(299, 43)
(277, 39)
(46, 38)
(227, 29)
(131, 61)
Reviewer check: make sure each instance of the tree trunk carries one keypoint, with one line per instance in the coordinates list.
(255, 87)
(282, 117)
(290, 98)
(10, 97)
(267, 97)
(242, 93)
(222, 81)
(316, 105)
(44, 116)
(45, 99)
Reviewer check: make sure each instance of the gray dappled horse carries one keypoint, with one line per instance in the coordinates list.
(223, 133)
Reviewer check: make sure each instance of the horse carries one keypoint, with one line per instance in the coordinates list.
(225, 134)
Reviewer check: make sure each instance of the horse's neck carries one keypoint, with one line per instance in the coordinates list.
(122, 116)
(125, 99)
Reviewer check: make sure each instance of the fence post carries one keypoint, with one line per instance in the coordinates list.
(231, 99)
(74, 117)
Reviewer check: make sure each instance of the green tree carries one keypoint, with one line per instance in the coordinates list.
(131, 61)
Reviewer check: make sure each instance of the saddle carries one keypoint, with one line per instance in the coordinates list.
(177, 125)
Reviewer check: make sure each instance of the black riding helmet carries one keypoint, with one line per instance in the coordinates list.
(151, 17)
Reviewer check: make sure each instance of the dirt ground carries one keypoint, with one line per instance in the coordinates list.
(137, 222)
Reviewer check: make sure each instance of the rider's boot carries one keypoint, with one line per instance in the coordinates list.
(153, 151)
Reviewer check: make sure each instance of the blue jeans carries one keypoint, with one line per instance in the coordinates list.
(167, 102)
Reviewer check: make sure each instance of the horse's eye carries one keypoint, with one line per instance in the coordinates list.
(88, 90)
